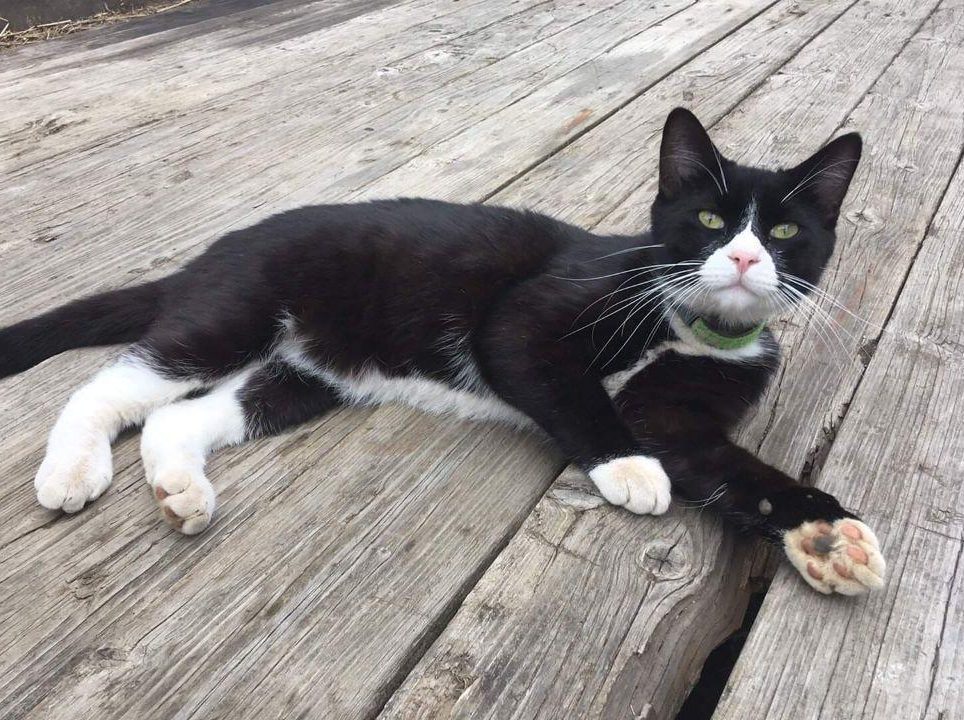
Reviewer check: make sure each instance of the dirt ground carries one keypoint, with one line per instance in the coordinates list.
(67, 26)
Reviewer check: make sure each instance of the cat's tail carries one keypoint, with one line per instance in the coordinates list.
(119, 316)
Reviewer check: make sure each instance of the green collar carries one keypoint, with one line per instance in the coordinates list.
(715, 338)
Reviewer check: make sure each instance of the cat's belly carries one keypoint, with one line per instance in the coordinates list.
(475, 401)
(470, 398)
(372, 387)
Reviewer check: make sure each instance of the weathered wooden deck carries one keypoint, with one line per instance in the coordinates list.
(384, 563)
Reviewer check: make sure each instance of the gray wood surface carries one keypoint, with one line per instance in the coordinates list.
(897, 654)
(587, 658)
(899, 455)
(351, 561)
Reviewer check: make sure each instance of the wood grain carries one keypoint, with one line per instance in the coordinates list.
(342, 550)
(899, 455)
(638, 660)
(230, 61)
(364, 520)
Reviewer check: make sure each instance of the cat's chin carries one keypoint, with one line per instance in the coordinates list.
(736, 305)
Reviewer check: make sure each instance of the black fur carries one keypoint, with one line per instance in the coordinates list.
(121, 316)
(278, 396)
(416, 286)
(690, 422)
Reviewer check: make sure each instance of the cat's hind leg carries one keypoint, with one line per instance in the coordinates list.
(177, 438)
(77, 466)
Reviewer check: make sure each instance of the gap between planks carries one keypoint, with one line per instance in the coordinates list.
(406, 702)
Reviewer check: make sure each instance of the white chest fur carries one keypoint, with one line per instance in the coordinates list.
(617, 381)
(685, 344)
(472, 399)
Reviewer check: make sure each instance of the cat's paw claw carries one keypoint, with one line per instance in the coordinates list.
(69, 483)
(842, 557)
(185, 498)
(637, 483)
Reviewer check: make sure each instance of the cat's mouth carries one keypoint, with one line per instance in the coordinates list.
(737, 297)
(738, 287)
(739, 302)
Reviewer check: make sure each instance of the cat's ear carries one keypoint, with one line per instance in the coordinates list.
(825, 176)
(687, 154)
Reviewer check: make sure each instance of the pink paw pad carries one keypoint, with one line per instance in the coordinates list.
(840, 557)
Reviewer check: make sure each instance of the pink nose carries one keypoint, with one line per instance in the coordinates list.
(744, 259)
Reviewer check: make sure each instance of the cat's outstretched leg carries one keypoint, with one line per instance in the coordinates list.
(178, 438)
(77, 467)
(830, 547)
(175, 443)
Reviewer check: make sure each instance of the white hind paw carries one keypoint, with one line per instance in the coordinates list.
(185, 497)
(637, 483)
(842, 557)
(70, 478)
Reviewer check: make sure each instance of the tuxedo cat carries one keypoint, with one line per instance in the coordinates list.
(635, 354)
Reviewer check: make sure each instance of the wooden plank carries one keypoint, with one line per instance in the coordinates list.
(129, 619)
(899, 455)
(117, 616)
(567, 107)
(162, 189)
(590, 613)
(96, 96)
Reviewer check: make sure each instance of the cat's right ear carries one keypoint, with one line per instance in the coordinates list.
(825, 176)
(686, 153)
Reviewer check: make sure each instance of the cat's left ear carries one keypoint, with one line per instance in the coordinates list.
(825, 176)
(687, 155)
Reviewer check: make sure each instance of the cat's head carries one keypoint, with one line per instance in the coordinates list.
(747, 240)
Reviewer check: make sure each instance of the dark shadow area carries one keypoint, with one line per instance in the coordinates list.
(705, 695)
(22, 14)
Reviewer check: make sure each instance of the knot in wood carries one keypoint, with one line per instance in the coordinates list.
(664, 559)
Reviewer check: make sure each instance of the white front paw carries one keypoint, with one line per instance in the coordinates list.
(637, 483)
(69, 478)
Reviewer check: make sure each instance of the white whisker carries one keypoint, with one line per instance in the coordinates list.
(623, 252)
(787, 277)
(622, 272)
(691, 157)
(629, 300)
(828, 318)
(707, 501)
(812, 175)
(719, 164)
(824, 331)
(640, 304)
(659, 300)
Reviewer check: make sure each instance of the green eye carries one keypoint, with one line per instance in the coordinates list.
(784, 231)
(711, 220)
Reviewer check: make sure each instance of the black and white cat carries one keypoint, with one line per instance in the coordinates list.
(636, 355)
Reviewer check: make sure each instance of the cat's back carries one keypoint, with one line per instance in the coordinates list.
(404, 242)
(423, 228)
